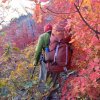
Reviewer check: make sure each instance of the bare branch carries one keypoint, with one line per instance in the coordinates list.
(42, 9)
(1, 22)
(96, 31)
(59, 12)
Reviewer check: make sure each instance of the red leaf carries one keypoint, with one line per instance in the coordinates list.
(94, 76)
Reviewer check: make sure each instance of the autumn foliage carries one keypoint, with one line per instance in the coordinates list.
(84, 18)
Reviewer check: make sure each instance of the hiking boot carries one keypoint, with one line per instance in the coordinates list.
(53, 96)
(42, 87)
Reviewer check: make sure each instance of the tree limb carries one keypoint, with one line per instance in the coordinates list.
(59, 12)
(42, 9)
(96, 31)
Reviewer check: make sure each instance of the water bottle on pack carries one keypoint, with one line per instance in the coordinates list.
(47, 53)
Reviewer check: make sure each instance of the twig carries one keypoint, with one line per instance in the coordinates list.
(59, 12)
(96, 31)
(33, 72)
(42, 9)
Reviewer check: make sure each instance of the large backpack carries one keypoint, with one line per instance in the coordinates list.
(59, 54)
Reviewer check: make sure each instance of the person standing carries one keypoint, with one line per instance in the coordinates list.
(42, 45)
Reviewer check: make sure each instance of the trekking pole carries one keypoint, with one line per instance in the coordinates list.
(33, 72)
(41, 59)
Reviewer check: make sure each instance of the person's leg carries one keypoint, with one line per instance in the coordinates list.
(48, 75)
(43, 72)
(42, 77)
(53, 95)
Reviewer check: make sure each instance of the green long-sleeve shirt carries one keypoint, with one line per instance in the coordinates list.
(43, 42)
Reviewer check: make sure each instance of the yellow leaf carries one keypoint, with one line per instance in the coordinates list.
(3, 82)
(16, 49)
(87, 3)
(30, 65)
(19, 67)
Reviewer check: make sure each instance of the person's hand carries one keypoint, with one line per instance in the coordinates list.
(34, 63)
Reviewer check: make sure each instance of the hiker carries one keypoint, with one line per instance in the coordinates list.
(59, 55)
(42, 45)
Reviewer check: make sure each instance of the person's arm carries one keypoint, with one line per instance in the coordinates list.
(38, 51)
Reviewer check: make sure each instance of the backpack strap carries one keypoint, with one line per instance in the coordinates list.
(56, 51)
(66, 54)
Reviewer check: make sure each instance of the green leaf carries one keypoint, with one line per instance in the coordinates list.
(28, 85)
(3, 33)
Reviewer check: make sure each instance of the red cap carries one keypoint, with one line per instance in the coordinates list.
(47, 28)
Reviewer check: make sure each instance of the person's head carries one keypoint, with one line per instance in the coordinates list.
(47, 28)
